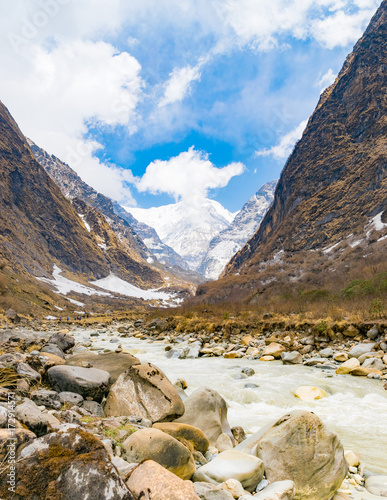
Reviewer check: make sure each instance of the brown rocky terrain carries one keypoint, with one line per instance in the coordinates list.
(328, 220)
(39, 227)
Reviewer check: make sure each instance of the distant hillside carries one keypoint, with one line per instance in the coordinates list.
(328, 222)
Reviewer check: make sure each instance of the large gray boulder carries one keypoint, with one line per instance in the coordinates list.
(207, 410)
(152, 444)
(298, 447)
(68, 464)
(113, 362)
(144, 391)
(88, 382)
(360, 349)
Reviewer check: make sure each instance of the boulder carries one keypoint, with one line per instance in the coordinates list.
(280, 490)
(159, 483)
(361, 371)
(273, 349)
(360, 349)
(326, 353)
(373, 333)
(267, 358)
(14, 437)
(352, 459)
(298, 447)
(377, 485)
(144, 391)
(51, 359)
(94, 408)
(340, 356)
(232, 464)
(309, 393)
(112, 362)
(153, 444)
(185, 433)
(38, 422)
(50, 399)
(88, 382)
(373, 363)
(70, 398)
(62, 340)
(70, 463)
(207, 410)
(207, 491)
(348, 366)
(351, 331)
(52, 349)
(27, 372)
(291, 358)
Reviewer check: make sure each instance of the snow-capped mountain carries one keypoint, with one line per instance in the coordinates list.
(187, 228)
(225, 244)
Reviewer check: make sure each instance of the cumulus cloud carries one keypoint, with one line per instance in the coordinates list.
(179, 83)
(70, 87)
(187, 177)
(332, 23)
(283, 149)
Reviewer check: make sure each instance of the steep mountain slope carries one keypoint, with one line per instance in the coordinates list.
(40, 229)
(164, 253)
(226, 244)
(328, 219)
(139, 237)
(188, 229)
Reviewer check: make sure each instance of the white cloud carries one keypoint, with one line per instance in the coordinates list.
(326, 80)
(341, 28)
(260, 23)
(187, 177)
(283, 149)
(70, 87)
(179, 83)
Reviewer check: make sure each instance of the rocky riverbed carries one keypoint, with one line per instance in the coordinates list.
(136, 411)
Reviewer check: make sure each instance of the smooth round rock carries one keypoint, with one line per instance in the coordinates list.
(88, 382)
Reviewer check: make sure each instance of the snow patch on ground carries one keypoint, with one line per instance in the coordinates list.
(51, 317)
(377, 223)
(64, 285)
(115, 284)
(329, 249)
(87, 226)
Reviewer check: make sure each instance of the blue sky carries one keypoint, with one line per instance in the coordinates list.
(220, 87)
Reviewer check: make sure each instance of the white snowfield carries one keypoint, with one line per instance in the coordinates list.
(186, 228)
(111, 283)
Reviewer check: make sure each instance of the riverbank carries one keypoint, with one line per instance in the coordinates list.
(257, 392)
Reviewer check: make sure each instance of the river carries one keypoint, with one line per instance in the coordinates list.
(356, 408)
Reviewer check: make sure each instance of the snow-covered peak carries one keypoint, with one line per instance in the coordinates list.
(186, 227)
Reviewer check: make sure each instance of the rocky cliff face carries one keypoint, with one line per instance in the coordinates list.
(331, 200)
(40, 227)
(227, 243)
(138, 237)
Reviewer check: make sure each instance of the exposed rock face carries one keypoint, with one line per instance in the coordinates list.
(37, 223)
(144, 391)
(66, 464)
(157, 483)
(152, 444)
(227, 243)
(207, 410)
(298, 447)
(136, 237)
(333, 187)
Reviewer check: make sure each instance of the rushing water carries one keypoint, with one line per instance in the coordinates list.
(356, 408)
